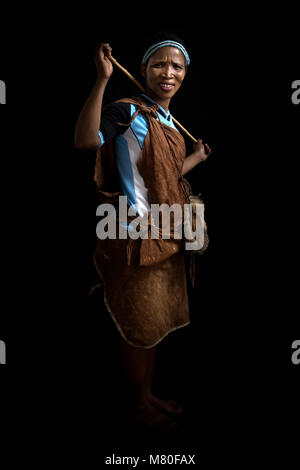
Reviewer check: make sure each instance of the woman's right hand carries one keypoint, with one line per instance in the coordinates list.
(103, 64)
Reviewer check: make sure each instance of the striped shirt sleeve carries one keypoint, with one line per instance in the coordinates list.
(111, 117)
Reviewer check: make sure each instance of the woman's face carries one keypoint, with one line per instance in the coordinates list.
(164, 73)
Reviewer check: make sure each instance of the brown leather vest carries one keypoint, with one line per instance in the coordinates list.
(160, 164)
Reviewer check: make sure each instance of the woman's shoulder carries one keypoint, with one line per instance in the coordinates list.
(117, 110)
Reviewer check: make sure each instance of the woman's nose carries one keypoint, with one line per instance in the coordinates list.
(167, 72)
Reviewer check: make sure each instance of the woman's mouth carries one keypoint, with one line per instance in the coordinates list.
(166, 86)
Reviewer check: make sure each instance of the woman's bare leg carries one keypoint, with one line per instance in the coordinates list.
(135, 368)
(169, 406)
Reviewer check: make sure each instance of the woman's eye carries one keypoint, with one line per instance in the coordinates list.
(160, 64)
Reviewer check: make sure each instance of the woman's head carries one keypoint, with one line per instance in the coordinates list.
(164, 66)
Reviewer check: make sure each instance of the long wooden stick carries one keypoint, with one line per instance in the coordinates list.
(184, 130)
(126, 73)
(116, 63)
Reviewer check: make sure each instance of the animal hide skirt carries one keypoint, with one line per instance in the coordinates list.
(145, 302)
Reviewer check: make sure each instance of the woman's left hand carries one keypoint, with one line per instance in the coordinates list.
(202, 150)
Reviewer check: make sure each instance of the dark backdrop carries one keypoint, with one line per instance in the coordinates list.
(231, 367)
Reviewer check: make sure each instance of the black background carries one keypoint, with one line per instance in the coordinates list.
(232, 366)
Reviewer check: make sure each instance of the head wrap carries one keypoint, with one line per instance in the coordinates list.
(152, 49)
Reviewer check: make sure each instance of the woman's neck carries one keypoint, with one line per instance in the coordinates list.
(163, 102)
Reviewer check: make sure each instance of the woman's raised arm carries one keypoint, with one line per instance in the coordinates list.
(88, 123)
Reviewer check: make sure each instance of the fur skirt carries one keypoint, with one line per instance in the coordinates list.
(145, 302)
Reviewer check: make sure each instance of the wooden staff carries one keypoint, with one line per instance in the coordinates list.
(116, 63)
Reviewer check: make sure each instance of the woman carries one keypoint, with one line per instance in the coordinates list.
(141, 154)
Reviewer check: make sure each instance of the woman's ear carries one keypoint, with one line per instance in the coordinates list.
(143, 70)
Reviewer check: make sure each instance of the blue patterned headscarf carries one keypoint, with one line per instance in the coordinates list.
(152, 49)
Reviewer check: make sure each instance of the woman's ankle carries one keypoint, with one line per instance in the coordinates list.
(140, 402)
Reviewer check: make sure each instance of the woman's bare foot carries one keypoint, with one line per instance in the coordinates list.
(167, 406)
(149, 416)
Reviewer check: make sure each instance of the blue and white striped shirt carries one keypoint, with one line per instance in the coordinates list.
(128, 143)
